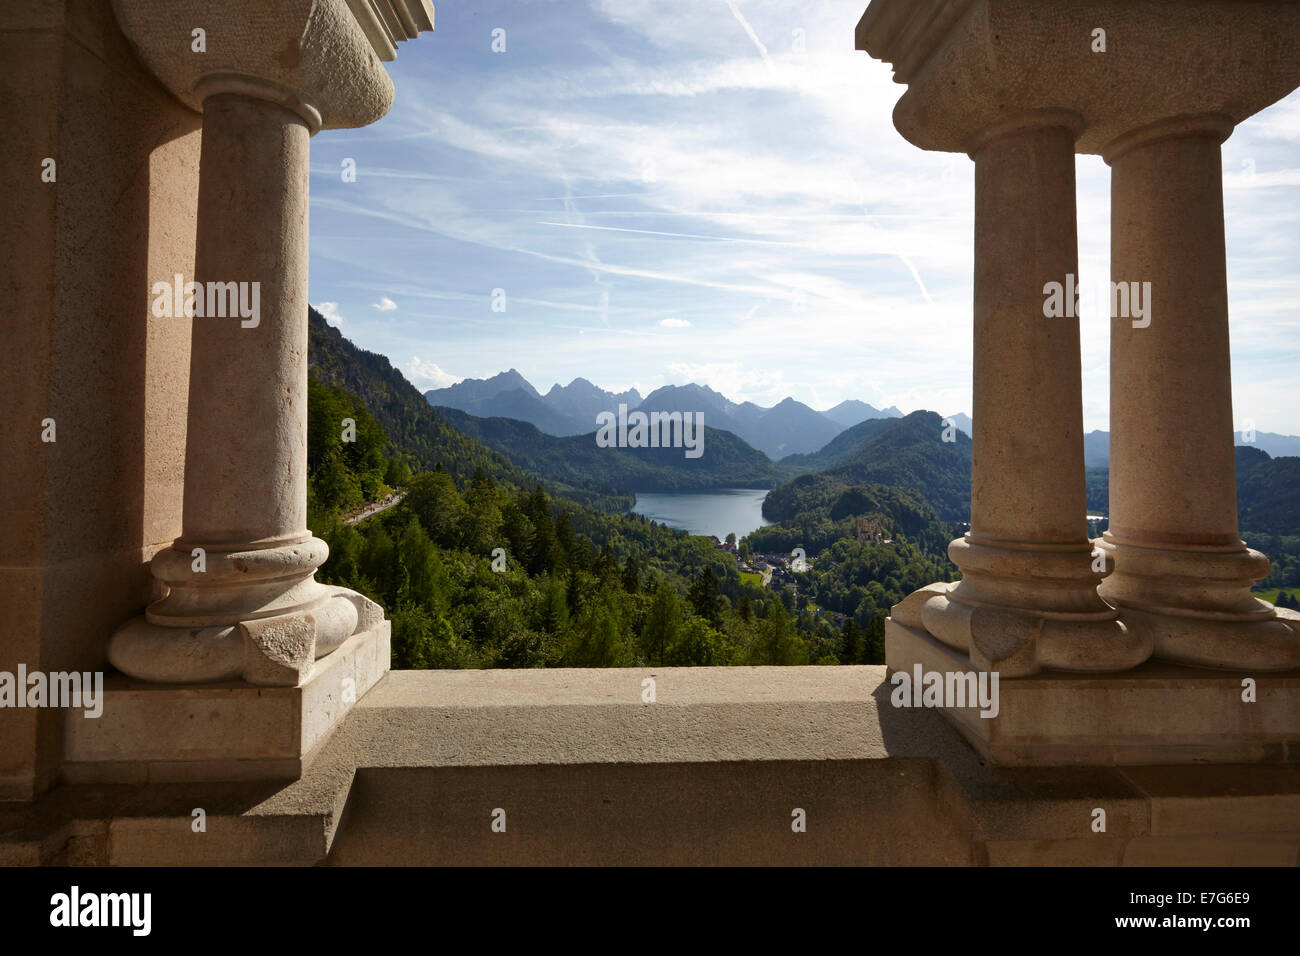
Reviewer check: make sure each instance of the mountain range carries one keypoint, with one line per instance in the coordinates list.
(415, 429)
(907, 451)
(786, 428)
(576, 460)
(1096, 446)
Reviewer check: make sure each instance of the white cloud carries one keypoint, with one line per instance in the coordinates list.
(783, 203)
(733, 380)
(385, 304)
(428, 375)
(331, 312)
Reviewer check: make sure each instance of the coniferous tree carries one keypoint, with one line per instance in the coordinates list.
(704, 594)
(555, 606)
(779, 642)
(874, 652)
(852, 643)
(434, 500)
(631, 576)
(662, 625)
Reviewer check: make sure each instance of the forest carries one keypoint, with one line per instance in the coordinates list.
(477, 572)
(487, 563)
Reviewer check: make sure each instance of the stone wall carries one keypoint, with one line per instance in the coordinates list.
(81, 517)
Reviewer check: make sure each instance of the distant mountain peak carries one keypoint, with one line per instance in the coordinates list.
(480, 389)
(512, 379)
(851, 412)
(789, 426)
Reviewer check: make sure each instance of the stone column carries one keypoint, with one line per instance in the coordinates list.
(241, 482)
(1182, 573)
(1028, 595)
(242, 600)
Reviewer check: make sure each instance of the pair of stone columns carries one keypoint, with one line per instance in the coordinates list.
(1172, 577)
(241, 598)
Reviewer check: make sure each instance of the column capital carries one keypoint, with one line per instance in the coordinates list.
(969, 64)
(1214, 125)
(1069, 120)
(319, 58)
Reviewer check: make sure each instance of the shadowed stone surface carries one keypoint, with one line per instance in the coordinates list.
(709, 773)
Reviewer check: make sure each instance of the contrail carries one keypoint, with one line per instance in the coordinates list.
(671, 235)
(762, 50)
(917, 276)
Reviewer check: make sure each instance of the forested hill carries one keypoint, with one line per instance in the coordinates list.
(1268, 491)
(905, 452)
(727, 461)
(841, 447)
(415, 431)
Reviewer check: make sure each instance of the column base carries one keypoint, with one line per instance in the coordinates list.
(256, 615)
(1157, 713)
(1022, 607)
(1194, 605)
(227, 731)
(1017, 642)
(270, 652)
(1268, 645)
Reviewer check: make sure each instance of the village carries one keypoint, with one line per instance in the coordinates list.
(780, 572)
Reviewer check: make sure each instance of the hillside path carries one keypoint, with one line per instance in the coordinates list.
(383, 504)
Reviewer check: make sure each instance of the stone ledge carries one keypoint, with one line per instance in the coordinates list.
(1155, 714)
(159, 733)
(708, 773)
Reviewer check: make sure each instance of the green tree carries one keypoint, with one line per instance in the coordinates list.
(852, 643)
(546, 554)
(631, 576)
(423, 640)
(554, 606)
(703, 596)
(397, 473)
(596, 640)
(662, 625)
(874, 652)
(698, 646)
(423, 566)
(607, 566)
(433, 499)
(481, 525)
(778, 641)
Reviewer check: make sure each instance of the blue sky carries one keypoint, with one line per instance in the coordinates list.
(702, 190)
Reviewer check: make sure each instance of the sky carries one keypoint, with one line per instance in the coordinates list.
(657, 192)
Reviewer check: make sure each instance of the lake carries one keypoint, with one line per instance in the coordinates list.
(715, 512)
